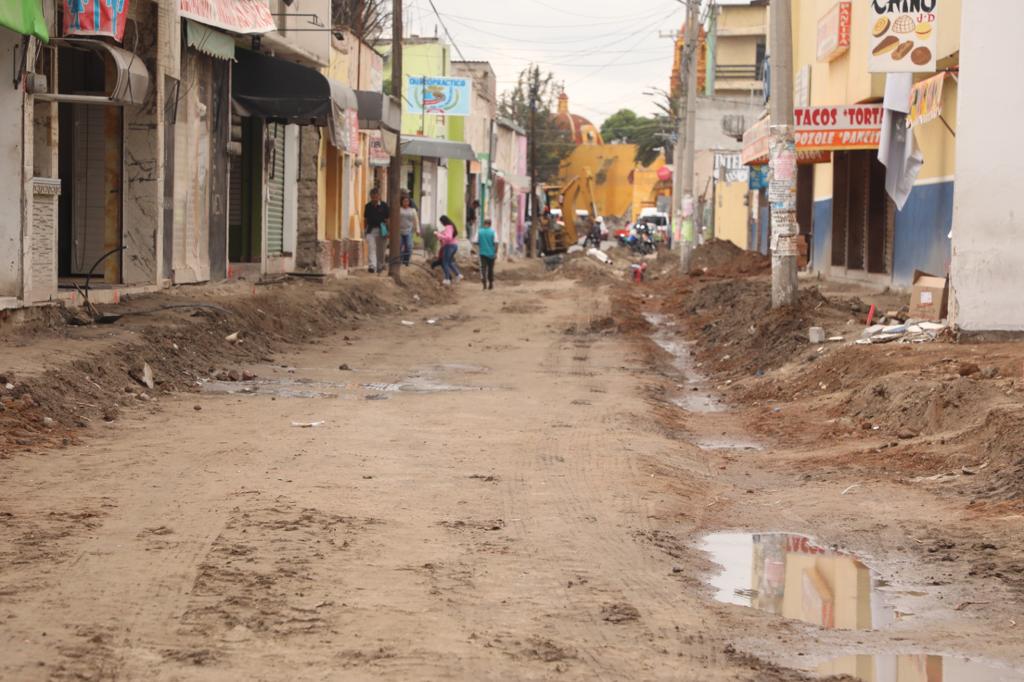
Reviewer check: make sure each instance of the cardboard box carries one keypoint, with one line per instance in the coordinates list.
(929, 299)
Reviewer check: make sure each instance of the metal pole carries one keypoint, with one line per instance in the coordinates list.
(690, 118)
(782, 157)
(395, 169)
(534, 207)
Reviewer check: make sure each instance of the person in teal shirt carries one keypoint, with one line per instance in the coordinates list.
(487, 244)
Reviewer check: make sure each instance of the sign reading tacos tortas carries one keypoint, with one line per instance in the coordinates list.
(903, 35)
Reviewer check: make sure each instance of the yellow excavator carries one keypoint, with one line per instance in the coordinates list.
(560, 235)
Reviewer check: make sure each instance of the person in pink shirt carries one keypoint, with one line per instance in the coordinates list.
(448, 237)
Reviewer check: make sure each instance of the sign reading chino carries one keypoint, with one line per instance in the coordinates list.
(834, 32)
(840, 127)
(903, 35)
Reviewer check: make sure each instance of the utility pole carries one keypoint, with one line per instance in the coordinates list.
(395, 169)
(534, 207)
(689, 68)
(782, 157)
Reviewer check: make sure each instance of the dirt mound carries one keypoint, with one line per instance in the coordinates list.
(741, 335)
(587, 270)
(183, 346)
(720, 258)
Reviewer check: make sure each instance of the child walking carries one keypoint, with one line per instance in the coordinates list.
(487, 244)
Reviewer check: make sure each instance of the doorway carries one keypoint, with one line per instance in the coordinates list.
(91, 170)
(245, 209)
(863, 215)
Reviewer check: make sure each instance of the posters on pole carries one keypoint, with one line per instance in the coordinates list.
(903, 35)
(437, 95)
(95, 18)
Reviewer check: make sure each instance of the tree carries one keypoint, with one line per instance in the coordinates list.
(553, 142)
(651, 135)
(367, 19)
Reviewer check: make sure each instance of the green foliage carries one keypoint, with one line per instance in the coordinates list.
(651, 135)
(552, 142)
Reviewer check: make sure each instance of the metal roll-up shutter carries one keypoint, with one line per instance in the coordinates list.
(275, 193)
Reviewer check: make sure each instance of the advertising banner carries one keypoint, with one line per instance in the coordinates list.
(237, 16)
(95, 18)
(903, 35)
(857, 126)
(926, 100)
(437, 95)
(834, 32)
(757, 140)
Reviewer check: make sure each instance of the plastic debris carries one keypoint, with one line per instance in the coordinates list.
(816, 335)
(307, 425)
(408, 323)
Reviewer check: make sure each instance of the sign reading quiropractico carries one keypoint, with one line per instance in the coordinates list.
(438, 95)
(903, 35)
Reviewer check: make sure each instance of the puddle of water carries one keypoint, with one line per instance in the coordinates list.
(791, 576)
(917, 668)
(727, 443)
(428, 385)
(280, 388)
(682, 360)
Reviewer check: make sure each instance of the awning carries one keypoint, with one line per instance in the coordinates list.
(285, 92)
(24, 17)
(131, 83)
(438, 149)
(378, 111)
(210, 42)
(237, 16)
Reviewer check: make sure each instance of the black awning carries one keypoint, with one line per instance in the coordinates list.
(280, 91)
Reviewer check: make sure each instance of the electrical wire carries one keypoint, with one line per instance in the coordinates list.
(447, 32)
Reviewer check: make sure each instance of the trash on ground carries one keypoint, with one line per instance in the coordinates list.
(913, 331)
(600, 255)
(232, 338)
(408, 323)
(307, 425)
(816, 335)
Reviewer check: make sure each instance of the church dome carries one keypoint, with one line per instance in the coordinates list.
(580, 128)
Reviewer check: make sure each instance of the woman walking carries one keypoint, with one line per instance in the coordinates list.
(410, 221)
(448, 236)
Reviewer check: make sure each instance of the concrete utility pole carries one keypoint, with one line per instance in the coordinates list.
(689, 109)
(782, 157)
(534, 204)
(395, 169)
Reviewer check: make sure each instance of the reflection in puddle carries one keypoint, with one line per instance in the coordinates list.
(727, 443)
(693, 399)
(279, 388)
(917, 668)
(791, 576)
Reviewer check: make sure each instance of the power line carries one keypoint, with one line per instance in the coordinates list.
(462, 19)
(447, 32)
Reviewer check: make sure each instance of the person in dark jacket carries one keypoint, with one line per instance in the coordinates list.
(375, 217)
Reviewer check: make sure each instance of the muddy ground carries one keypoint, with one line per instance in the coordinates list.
(412, 483)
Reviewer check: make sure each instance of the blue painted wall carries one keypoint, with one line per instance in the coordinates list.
(921, 239)
(821, 240)
(922, 233)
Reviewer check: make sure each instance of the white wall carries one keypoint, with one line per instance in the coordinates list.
(988, 222)
(11, 169)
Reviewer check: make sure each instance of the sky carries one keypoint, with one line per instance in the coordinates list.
(606, 53)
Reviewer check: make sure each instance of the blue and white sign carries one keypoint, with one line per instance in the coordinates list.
(438, 95)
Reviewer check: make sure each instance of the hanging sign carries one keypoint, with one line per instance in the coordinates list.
(95, 18)
(237, 16)
(834, 32)
(926, 100)
(857, 126)
(379, 157)
(436, 95)
(903, 35)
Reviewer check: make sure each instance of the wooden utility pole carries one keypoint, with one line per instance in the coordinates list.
(782, 157)
(534, 204)
(395, 169)
(689, 68)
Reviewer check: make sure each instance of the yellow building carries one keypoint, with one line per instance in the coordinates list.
(854, 228)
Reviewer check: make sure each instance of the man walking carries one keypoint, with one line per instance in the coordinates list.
(375, 219)
(488, 246)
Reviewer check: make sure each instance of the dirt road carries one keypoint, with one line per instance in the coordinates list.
(502, 494)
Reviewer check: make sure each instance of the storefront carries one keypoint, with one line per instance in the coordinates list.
(861, 218)
(273, 99)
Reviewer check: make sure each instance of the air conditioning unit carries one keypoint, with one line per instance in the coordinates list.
(734, 125)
